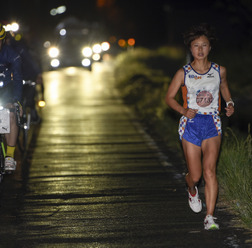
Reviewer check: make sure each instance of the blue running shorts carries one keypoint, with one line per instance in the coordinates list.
(199, 128)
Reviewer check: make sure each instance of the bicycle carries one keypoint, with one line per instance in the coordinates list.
(30, 97)
(25, 123)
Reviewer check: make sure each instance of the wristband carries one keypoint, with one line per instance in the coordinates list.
(231, 101)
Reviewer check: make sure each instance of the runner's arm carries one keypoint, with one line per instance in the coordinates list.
(173, 89)
(225, 91)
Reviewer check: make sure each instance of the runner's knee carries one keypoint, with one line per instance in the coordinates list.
(209, 174)
(194, 177)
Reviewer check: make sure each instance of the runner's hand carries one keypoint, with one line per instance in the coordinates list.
(190, 113)
(230, 110)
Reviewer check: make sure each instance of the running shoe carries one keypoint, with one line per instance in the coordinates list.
(10, 164)
(209, 223)
(194, 201)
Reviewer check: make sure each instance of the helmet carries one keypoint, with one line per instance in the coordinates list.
(2, 32)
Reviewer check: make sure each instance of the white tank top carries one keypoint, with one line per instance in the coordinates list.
(201, 91)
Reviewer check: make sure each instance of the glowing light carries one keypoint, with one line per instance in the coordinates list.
(61, 9)
(47, 44)
(14, 27)
(18, 37)
(53, 12)
(122, 43)
(86, 62)
(62, 32)
(96, 57)
(97, 48)
(131, 42)
(55, 63)
(87, 52)
(41, 104)
(53, 52)
(7, 27)
(105, 46)
(57, 11)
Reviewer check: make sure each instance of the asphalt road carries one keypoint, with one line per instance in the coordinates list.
(94, 178)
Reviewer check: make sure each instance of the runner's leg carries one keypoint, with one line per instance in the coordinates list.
(193, 159)
(210, 149)
(11, 138)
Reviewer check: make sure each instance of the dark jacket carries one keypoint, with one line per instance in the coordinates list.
(10, 71)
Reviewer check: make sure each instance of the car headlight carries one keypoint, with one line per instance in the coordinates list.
(55, 63)
(97, 48)
(86, 62)
(53, 52)
(87, 52)
(105, 46)
(96, 57)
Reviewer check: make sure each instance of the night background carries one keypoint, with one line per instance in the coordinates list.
(102, 164)
(150, 22)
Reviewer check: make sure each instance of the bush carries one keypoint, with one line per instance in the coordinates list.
(143, 77)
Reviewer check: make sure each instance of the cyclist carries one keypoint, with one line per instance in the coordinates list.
(31, 71)
(10, 93)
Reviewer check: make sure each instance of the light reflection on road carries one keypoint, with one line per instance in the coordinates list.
(80, 82)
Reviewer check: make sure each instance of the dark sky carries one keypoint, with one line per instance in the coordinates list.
(151, 22)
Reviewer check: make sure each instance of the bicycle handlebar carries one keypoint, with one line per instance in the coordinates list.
(29, 82)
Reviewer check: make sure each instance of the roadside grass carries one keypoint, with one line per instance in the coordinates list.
(142, 77)
(235, 173)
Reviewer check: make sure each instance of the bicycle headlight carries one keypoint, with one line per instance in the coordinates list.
(41, 104)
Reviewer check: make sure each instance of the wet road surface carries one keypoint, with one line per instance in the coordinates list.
(94, 178)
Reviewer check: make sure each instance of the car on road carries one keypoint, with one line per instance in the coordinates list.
(76, 43)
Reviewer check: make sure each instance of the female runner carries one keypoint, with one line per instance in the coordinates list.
(200, 130)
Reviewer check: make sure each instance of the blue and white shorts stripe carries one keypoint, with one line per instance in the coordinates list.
(199, 128)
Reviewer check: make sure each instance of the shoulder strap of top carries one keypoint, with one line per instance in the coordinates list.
(187, 68)
(216, 67)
